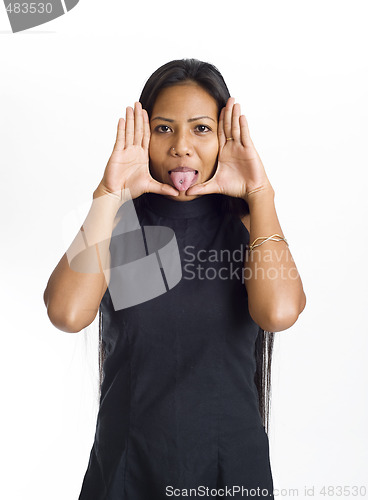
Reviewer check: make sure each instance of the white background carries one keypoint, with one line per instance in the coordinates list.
(299, 71)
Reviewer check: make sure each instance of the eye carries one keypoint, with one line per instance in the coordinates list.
(164, 127)
(203, 127)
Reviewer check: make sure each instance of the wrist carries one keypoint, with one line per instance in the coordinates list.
(263, 193)
(116, 196)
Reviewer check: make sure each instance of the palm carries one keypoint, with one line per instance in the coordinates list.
(129, 169)
(239, 169)
(128, 166)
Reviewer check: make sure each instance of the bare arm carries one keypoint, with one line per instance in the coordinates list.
(74, 290)
(275, 291)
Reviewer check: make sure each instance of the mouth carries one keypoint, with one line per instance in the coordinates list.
(183, 177)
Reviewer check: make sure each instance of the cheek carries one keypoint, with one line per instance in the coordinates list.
(212, 149)
(153, 149)
(156, 141)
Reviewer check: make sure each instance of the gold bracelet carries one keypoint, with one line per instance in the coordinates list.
(265, 238)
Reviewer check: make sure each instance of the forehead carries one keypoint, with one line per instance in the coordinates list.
(185, 99)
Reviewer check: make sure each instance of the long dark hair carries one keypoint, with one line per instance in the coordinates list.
(210, 79)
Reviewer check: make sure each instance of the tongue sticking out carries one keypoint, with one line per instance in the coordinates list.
(183, 180)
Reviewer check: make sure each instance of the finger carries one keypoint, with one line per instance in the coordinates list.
(208, 187)
(228, 115)
(244, 132)
(160, 188)
(146, 130)
(221, 132)
(138, 124)
(120, 136)
(235, 125)
(129, 126)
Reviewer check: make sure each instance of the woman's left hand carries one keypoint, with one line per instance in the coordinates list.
(239, 168)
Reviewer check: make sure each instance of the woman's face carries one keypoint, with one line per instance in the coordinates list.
(184, 117)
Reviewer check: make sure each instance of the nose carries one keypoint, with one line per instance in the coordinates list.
(181, 146)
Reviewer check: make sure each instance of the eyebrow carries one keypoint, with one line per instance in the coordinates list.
(190, 119)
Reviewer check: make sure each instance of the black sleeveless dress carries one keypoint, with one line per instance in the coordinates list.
(179, 405)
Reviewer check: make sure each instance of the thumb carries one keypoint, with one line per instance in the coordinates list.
(208, 187)
(160, 188)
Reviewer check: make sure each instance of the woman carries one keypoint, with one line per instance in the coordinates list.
(183, 397)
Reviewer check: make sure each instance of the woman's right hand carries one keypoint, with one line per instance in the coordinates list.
(128, 166)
